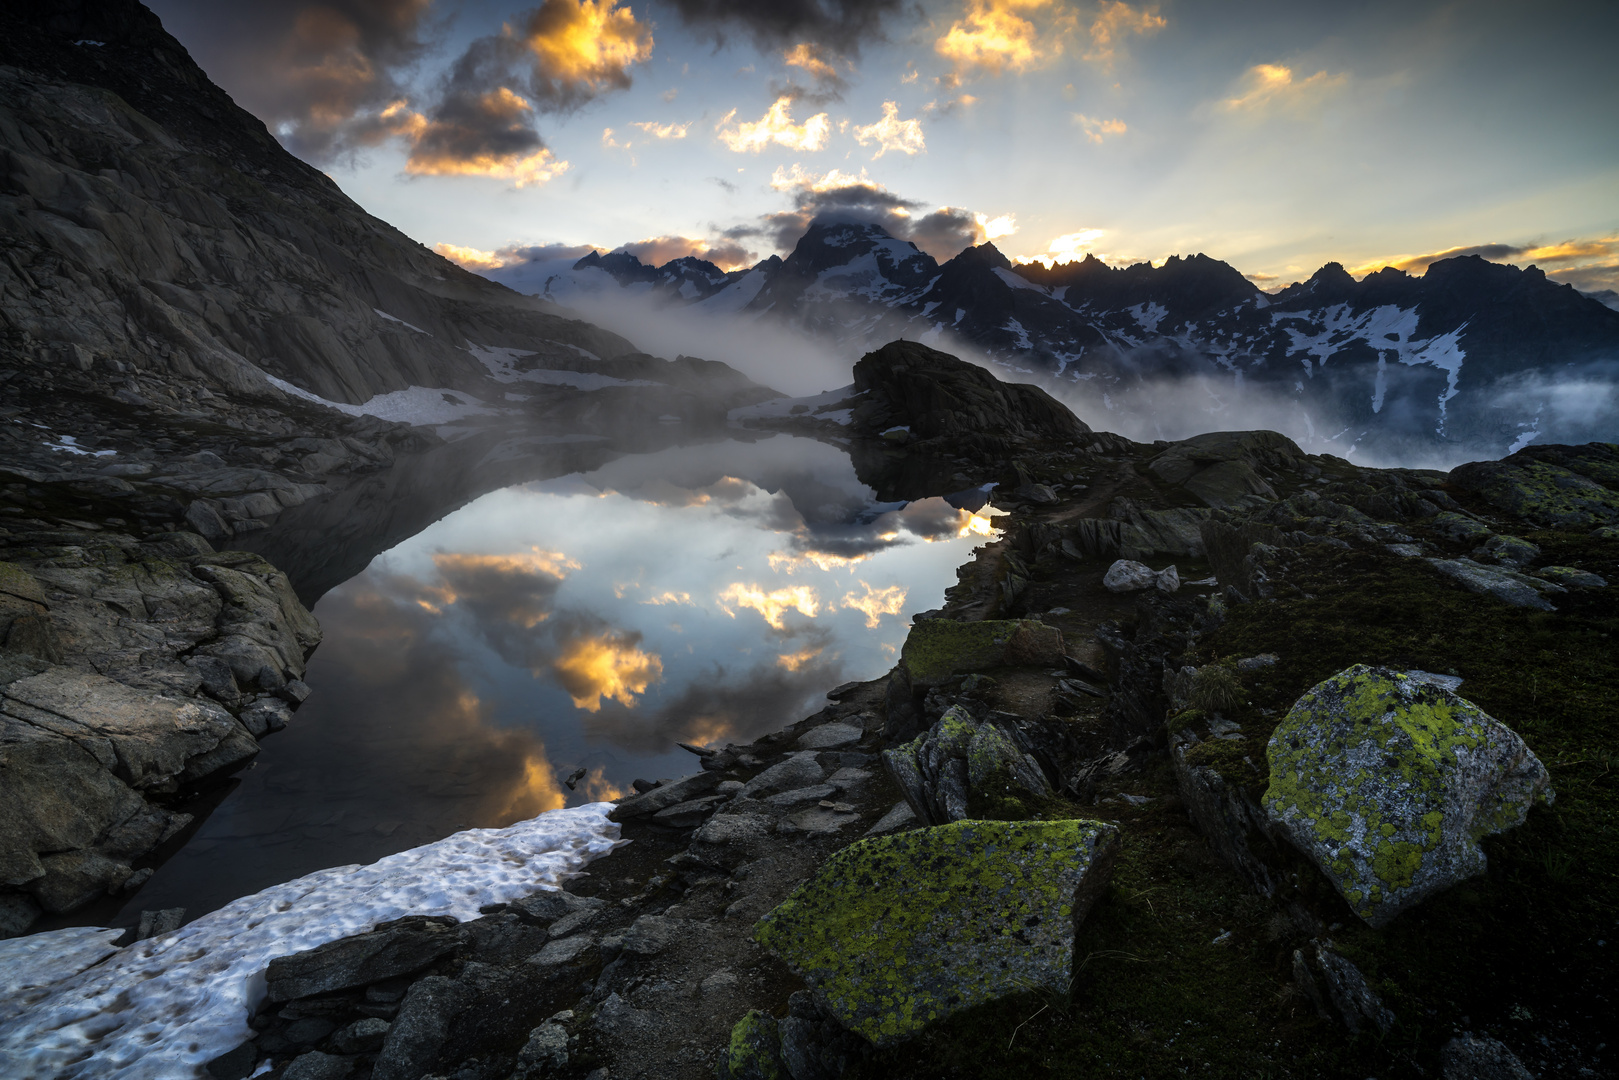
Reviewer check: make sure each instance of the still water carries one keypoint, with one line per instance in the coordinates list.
(592, 621)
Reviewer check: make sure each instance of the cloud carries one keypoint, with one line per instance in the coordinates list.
(471, 134)
(875, 603)
(1115, 21)
(840, 25)
(1600, 279)
(1069, 247)
(996, 36)
(1266, 85)
(775, 127)
(607, 664)
(582, 48)
(773, 605)
(892, 133)
(1562, 251)
(726, 254)
(308, 70)
(1096, 129)
(477, 260)
(840, 196)
(813, 58)
(662, 131)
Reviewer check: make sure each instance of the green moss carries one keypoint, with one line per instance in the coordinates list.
(902, 931)
(754, 1052)
(936, 650)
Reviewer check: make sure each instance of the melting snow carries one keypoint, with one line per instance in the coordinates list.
(416, 405)
(1018, 282)
(1148, 316)
(164, 1007)
(67, 444)
(400, 321)
(735, 296)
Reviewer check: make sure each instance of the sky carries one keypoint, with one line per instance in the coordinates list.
(1277, 135)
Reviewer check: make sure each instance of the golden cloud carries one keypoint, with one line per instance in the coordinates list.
(515, 589)
(812, 58)
(993, 228)
(607, 665)
(471, 258)
(1268, 84)
(794, 661)
(536, 791)
(1570, 250)
(666, 597)
(1564, 251)
(586, 46)
(1015, 35)
(662, 131)
(1115, 20)
(773, 605)
(875, 603)
(892, 133)
(1096, 129)
(785, 562)
(776, 126)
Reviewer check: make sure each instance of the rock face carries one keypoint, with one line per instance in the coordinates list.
(129, 671)
(900, 931)
(962, 763)
(1387, 783)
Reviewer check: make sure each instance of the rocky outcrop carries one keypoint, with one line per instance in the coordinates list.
(962, 767)
(939, 649)
(131, 672)
(900, 932)
(1388, 782)
(1559, 487)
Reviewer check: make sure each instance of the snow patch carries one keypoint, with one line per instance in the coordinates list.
(400, 321)
(67, 444)
(162, 1008)
(1016, 281)
(1148, 315)
(415, 405)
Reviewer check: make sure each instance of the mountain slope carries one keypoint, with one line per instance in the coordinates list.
(1472, 357)
(151, 223)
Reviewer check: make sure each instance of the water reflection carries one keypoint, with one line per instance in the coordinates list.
(695, 595)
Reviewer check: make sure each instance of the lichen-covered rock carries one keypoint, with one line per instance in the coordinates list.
(1519, 590)
(1572, 576)
(755, 1050)
(898, 932)
(1387, 783)
(1557, 487)
(936, 650)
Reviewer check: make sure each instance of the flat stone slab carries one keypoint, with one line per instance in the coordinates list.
(901, 931)
(1387, 781)
(834, 736)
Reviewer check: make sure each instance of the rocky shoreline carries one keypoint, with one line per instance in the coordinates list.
(1052, 686)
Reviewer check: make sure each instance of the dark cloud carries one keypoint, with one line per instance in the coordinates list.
(727, 254)
(843, 25)
(307, 70)
(946, 232)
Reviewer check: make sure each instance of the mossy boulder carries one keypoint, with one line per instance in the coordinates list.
(901, 931)
(1557, 487)
(1387, 783)
(754, 1052)
(959, 763)
(937, 650)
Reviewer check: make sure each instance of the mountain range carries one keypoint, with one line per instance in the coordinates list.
(1471, 355)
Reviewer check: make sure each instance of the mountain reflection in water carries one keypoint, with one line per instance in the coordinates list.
(700, 594)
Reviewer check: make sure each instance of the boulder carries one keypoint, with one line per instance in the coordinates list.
(1126, 575)
(937, 650)
(799, 770)
(1556, 487)
(1478, 1057)
(961, 762)
(1571, 576)
(1222, 468)
(673, 793)
(754, 1052)
(1507, 586)
(1387, 783)
(359, 960)
(898, 932)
